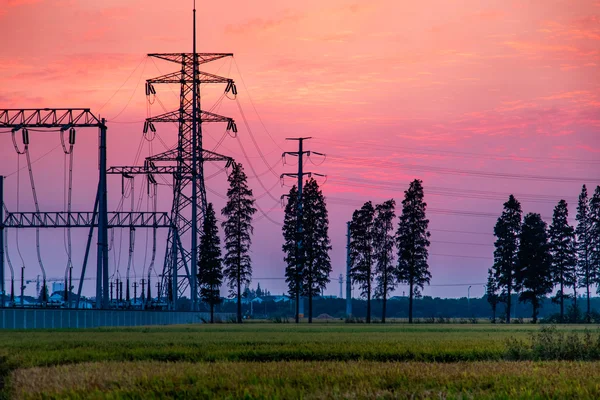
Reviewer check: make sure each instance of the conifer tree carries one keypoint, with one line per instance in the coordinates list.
(307, 273)
(383, 246)
(562, 249)
(293, 270)
(587, 275)
(210, 268)
(535, 262)
(316, 244)
(361, 251)
(412, 241)
(238, 230)
(507, 231)
(595, 235)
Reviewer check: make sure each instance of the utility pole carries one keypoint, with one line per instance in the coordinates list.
(299, 214)
(135, 286)
(469, 299)
(143, 297)
(348, 278)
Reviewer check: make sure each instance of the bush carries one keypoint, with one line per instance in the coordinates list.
(279, 319)
(551, 344)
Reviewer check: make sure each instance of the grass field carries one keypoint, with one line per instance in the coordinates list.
(287, 361)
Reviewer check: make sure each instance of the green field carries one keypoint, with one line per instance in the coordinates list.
(325, 360)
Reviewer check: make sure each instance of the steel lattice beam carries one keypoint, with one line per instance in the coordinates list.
(178, 116)
(48, 118)
(186, 58)
(86, 220)
(177, 77)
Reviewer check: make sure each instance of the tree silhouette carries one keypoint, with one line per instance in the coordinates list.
(383, 245)
(412, 241)
(507, 231)
(210, 268)
(587, 274)
(317, 264)
(293, 269)
(361, 251)
(535, 262)
(564, 260)
(595, 235)
(238, 230)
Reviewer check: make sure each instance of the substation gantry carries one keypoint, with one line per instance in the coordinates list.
(69, 119)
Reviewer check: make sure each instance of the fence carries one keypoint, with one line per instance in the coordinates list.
(56, 319)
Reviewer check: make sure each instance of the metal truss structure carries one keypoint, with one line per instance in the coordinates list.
(185, 163)
(122, 219)
(67, 119)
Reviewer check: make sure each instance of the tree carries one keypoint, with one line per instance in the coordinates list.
(507, 230)
(308, 267)
(491, 292)
(562, 249)
(383, 246)
(595, 235)
(316, 244)
(259, 292)
(361, 251)
(238, 230)
(535, 262)
(586, 272)
(293, 270)
(412, 241)
(210, 267)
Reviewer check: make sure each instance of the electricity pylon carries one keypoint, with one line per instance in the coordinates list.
(186, 164)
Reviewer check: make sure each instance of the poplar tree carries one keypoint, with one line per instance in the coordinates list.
(311, 275)
(210, 268)
(562, 249)
(535, 262)
(595, 235)
(507, 231)
(315, 236)
(586, 273)
(383, 245)
(361, 251)
(238, 234)
(293, 269)
(412, 241)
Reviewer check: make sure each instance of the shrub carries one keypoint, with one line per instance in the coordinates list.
(551, 344)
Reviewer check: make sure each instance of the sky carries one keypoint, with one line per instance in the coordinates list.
(478, 98)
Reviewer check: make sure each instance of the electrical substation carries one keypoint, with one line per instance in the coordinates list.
(182, 166)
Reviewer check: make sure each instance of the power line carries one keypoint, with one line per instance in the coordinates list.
(461, 154)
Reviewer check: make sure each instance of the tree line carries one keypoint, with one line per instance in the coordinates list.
(533, 259)
(371, 249)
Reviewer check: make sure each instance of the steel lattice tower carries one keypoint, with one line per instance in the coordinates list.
(189, 192)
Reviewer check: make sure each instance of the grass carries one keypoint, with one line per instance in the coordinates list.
(289, 361)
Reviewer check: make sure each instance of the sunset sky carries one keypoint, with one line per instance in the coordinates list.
(478, 98)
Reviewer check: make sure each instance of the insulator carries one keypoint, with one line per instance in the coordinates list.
(147, 88)
(229, 125)
(152, 90)
(152, 128)
(229, 162)
(25, 136)
(72, 136)
(233, 88)
(228, 87)
(233, 127)
(146, 126)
